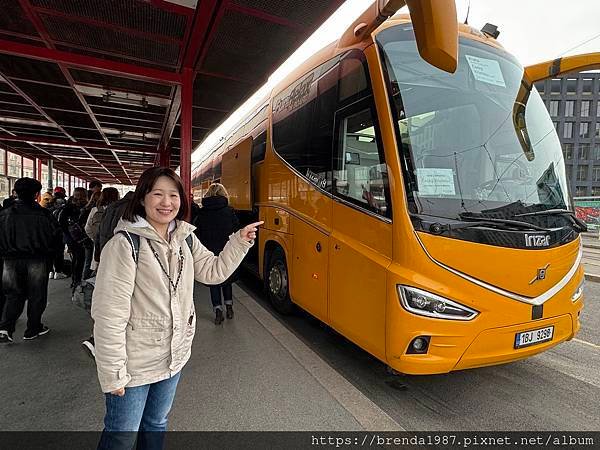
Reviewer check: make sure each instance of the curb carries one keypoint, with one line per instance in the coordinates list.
(592, 277)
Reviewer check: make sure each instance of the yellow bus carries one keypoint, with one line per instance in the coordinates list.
(422, 214)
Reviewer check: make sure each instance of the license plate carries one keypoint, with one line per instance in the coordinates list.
(527, 338)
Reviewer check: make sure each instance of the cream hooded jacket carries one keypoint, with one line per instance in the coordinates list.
(143, 330)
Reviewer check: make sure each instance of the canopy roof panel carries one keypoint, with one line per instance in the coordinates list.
(95, 85)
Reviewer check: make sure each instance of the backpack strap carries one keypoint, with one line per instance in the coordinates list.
(134, 240)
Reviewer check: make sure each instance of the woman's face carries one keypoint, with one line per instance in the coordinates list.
(162, 202)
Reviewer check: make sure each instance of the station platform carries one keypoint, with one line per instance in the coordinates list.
(249, 374)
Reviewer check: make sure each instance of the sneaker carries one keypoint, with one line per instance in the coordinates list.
(29, 336)
(5, 337)
(88, 346)
(218, 316)
(229, 311)
(60, 276)
(51, 276)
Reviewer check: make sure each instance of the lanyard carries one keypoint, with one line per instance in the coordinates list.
(173, 285)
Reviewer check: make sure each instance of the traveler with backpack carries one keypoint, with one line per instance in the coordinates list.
(69, 219)
(30, 237)
(108, 196)
(143, 309)
(59, 201)
(215, 221)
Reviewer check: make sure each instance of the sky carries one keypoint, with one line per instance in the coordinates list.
(532, 30)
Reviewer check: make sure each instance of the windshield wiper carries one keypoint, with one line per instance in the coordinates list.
(477, 218)
(470, 220)
(580, 225)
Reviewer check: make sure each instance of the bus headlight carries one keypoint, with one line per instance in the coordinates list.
(427, 304)
(578, 292)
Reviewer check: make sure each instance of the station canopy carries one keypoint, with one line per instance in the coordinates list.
(96, 85)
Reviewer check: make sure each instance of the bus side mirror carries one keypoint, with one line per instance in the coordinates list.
(434, 22)
(436, 30)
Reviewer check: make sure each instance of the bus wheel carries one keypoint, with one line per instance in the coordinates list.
(277, 283)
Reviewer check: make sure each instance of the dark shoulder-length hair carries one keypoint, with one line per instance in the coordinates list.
(109, 195)
(145, 185)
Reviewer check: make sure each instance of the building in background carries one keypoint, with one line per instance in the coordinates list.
(573, 103)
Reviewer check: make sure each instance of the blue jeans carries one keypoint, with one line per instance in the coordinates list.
(215, 295)
(144, 408)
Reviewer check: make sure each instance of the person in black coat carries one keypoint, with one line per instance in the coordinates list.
(215, 222)
(30, 238)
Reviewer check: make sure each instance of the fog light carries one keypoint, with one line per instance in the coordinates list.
(418, 345)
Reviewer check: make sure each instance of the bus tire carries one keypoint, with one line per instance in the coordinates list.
(278, 283)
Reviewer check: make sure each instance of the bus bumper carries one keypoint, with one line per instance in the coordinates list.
(455, 351)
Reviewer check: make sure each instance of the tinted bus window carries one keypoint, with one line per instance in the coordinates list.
(259, 147)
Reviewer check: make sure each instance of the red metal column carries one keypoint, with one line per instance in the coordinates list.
(22, 168)
(185, 157)
(38, 174)
(164, 157)
(69, 187)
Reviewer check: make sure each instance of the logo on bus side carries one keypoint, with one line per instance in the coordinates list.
(316, 179)
(541, 274)
(537, 240)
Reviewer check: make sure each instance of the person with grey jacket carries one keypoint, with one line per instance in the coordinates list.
(143, 310)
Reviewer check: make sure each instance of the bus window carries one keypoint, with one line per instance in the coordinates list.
(360, 172)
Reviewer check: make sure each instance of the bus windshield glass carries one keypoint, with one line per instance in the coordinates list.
(479, 141)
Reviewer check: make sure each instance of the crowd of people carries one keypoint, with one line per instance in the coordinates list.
(143, 258)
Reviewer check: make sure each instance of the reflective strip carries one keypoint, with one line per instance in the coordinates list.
(539, 300)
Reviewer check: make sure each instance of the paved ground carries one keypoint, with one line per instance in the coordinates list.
(249, 374)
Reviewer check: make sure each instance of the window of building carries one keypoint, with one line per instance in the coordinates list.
(571, 85)
(587, 85)
(585, 108)
(568, 130)
(584, 151)
(584, 130)
(555, 126)
(598, 108)
(597, 132)
(568, 151)
(44, 176)
(580, 191)
(540, 86)
(2, 159)
(569, 108)
(582, 172)
(596, 173)
(14, 165)
(597, 151)
(553, 109)
(555, 86)
(28, 168)
(596, 191)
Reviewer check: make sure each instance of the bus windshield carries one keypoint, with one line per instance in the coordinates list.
(477, 141)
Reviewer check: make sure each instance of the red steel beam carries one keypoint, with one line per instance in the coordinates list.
(203, 18)
(66, 142)
(202, 21)
(185, 155)
(89, 63)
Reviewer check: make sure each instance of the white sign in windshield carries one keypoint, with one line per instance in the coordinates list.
(436, 182)
(486, 70)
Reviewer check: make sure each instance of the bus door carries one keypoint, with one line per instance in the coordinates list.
(361, 237)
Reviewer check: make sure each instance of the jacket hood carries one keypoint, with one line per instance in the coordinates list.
(215, 202)
(143, 228)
